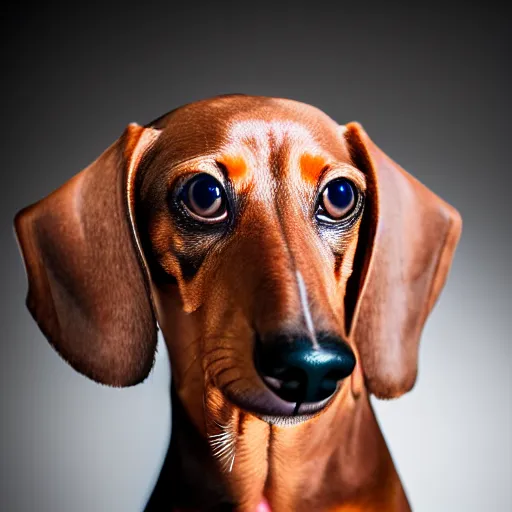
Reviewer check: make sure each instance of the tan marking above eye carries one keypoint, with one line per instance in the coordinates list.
(311, 167)
(235, 165)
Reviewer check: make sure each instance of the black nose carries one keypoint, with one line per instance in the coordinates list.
(300, 371)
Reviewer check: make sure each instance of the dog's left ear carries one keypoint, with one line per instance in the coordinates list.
(407, 240)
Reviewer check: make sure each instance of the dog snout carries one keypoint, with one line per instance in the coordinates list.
(301, 370)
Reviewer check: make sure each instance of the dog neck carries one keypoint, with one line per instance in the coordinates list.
(290, 468)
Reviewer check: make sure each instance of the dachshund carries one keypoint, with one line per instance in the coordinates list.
(290, 265)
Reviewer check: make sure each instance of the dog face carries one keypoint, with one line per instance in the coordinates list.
(289, 262)
(236, 210)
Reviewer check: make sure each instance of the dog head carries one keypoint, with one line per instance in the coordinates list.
(286, 258)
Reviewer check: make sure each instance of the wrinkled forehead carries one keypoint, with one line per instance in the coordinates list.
(246, 131)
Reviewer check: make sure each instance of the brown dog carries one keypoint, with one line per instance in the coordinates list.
(291, 266)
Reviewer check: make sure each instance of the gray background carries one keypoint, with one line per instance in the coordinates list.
(430, 84)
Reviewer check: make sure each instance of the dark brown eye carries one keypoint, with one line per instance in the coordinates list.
(338, 200)
(205, 199)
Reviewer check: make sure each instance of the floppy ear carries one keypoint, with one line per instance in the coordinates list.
(407, 242)
(88, 284)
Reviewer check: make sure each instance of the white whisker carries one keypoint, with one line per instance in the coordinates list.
(223, 434)
(222, 450)
(223, 444)
(225, 459)
(232, 462)
(220, 442)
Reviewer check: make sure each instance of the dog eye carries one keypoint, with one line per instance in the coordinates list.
(338, 200)
(205, 199)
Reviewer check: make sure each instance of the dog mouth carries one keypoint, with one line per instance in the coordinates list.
(267, 406)
(287, 382)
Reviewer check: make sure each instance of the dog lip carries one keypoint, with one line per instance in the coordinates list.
(269, 407)
(261, 402)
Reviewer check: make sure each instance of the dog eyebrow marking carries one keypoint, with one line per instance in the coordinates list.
(305, 309)
(311, 167)
(235, 164)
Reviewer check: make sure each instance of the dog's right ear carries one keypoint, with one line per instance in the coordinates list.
(89, 288)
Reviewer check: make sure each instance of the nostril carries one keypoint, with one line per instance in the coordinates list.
(330, 381)
(290, 384)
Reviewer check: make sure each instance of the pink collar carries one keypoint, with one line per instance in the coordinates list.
(263, 506)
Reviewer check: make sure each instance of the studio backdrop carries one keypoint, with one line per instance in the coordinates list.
(431, 85)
